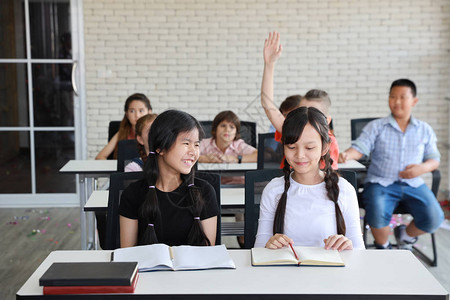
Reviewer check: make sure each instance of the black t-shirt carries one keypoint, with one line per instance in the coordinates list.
(175, 207)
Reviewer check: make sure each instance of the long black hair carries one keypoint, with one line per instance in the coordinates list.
(163, 134)
(293, 128)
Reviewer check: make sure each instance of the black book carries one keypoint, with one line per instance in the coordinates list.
(89, 274)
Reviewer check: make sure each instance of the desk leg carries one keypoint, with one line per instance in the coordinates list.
(90, 219)
(82, 182)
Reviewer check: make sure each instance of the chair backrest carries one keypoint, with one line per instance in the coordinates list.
(255, 182)
(117, 184)
(113, 128)
(214, 180)
(357, 125)
(351, 177)
(248, 131)
(126, 151)
(120, 181)
(270, 152)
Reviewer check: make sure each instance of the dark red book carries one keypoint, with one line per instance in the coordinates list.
(102, 289)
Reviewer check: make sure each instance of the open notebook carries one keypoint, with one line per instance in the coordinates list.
(162, 257)
(308, 256)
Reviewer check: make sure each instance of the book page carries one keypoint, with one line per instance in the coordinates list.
(318, 256)
(265, 256)
(149, 257)
(201, 257)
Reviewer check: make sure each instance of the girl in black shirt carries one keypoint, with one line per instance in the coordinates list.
(170, 206)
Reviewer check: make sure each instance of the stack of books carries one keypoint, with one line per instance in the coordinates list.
(90, 278)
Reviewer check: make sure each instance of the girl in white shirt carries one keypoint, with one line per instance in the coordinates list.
(308, 206)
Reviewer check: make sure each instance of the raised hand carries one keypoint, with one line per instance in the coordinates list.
(272, 48)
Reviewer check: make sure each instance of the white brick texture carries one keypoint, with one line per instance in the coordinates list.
(204, 56)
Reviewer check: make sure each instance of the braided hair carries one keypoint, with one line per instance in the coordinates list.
(293, 128)
(163, 134)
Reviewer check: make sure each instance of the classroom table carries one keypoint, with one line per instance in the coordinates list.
(87, 171)
(98, 201)
(368, 274)
(352, 165)
(230, 197)
(232, 201)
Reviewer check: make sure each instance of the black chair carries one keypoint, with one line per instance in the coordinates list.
(255, 182)
(113, 128)
(214, 180)
(268, 157)
(120, 181)
(350, 176)
(356, 126)
(126, 151)
(248, 131)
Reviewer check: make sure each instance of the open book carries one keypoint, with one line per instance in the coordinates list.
(162, 257)
(308, 256)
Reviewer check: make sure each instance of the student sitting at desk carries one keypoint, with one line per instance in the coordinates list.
(313, 98)
(135, 107)
(402, 148)
(170, 205)
(225, 145)
(142, 129)
(308, 206)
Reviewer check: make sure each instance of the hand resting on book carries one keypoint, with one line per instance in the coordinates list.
(335, 242)
(338, 242)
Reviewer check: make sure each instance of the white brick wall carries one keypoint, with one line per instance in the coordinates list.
(204, 56)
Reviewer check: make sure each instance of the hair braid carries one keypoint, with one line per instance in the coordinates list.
(149, 210)
(278, 223)
(331, 184)
(196, 236)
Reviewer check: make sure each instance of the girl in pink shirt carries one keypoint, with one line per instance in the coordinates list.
(225, 145)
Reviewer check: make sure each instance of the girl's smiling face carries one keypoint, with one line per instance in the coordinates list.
(183, 154)
(304, 155)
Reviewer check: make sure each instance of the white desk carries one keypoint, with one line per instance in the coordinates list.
(372, 274)
(227, 166)
(352, 165)
(86, 171)
(349, 165)
(232, 196)
(98, 201)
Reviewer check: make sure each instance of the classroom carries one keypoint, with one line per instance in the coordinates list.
(67, 67)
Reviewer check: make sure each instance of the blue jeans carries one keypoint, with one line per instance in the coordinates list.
(380, 202)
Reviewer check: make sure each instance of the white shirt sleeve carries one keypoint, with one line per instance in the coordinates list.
(269, 201)
(350, 210)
